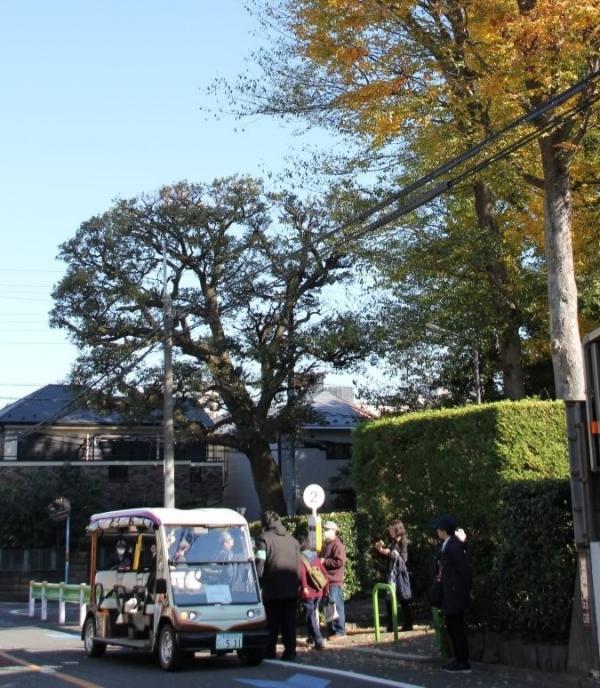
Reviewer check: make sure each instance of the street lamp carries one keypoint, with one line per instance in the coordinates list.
(474, 357)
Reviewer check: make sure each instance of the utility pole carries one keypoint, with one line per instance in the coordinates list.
(168, 431)
(291, 396)
(583, 432)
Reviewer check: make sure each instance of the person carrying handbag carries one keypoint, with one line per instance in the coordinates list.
(397, 553)
(311, 592)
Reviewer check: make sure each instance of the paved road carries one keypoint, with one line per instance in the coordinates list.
(42, 655)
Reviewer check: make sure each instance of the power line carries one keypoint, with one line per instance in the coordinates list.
(431, 194)
(3, 269)
(471, 152)
(89, 388)
(410, 205)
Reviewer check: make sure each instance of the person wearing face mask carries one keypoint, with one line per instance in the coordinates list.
(333, 558)
(121, 559)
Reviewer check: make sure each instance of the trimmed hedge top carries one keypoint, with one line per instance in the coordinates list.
(456, 460)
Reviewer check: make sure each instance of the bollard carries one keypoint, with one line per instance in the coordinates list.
(82, 605)
(44, 616)
(61, 603)
(31, 600)
(388, 588)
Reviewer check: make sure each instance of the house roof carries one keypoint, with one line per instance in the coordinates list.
(159, 515)
(334, 412)
(57, 404)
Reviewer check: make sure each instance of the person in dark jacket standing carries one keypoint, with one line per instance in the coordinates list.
(455, 574)
(397, 553)
(278, 568)
(333, 558)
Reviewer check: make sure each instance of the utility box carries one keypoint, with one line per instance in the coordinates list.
(591, 358)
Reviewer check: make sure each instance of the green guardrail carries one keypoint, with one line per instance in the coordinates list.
(62, 593)
(390, 589)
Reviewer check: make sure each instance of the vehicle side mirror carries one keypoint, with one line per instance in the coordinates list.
(161, 586)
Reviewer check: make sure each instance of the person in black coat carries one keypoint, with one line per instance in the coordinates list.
(456, 579)
(397, 553)
(278, 568)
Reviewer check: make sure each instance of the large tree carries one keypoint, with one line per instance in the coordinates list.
(246, 274)
(421, 80)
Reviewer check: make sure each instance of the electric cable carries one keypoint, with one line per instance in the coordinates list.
(409, 206)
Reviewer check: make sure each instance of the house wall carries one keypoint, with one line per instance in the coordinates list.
(312, 464)
(239, 486)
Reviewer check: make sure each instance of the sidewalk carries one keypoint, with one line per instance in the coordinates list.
(419, 646)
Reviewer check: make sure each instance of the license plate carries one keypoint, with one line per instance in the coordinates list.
(229, 641)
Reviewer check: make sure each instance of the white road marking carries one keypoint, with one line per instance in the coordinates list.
(19, 612)
(350, 674)
(4, 671)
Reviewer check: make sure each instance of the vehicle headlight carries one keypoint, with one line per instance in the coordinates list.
(250, 613)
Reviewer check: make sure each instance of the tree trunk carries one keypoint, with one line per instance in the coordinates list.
(511, 358)
(508, 312)
(565, 343)
(267, 477)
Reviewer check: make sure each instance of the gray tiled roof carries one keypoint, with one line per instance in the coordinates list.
(58, 404)
(333, 412)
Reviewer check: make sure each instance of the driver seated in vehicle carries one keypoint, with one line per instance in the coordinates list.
(120, 559)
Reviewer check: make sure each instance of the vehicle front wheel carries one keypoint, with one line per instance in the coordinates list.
(92, 647)
(250, 657)
(170, 656)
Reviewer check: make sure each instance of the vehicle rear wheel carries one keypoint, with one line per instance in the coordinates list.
(92, 647)
(170, 656)
(251, 657)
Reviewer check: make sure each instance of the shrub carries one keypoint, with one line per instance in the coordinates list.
(536, 558)
(466, 462)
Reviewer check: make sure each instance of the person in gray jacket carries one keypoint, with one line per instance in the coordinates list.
(278, 568)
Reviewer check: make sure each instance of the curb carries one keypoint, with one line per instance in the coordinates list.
(387, 654)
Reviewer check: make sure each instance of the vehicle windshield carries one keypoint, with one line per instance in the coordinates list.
(211, 565)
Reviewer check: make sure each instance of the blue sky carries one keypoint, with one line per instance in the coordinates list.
(103, 99)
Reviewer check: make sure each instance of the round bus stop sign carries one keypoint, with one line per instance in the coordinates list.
(313, 496)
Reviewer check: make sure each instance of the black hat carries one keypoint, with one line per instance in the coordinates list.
(445, 522)
(121, 543)
(269, 519)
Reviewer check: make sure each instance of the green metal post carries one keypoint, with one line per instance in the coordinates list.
(391, 590)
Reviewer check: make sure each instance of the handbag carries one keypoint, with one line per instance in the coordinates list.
(315, 577)
(330, 611)
(435, 589)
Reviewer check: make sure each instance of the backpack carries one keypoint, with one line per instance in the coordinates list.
(314, 576)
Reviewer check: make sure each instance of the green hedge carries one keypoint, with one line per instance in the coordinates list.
(536, 558)
(494, 466)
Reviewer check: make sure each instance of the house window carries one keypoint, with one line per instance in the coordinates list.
(338, 452)
(118, 474)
